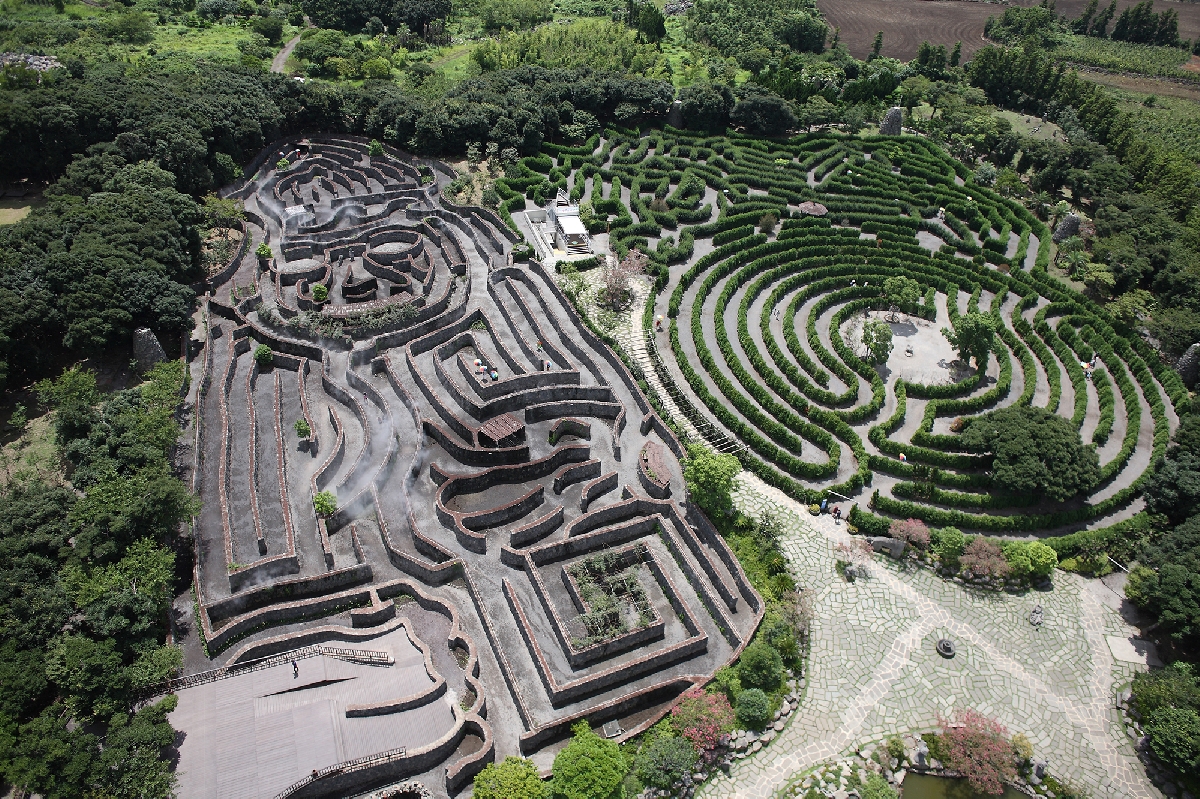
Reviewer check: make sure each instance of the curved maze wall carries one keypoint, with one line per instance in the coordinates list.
(758, 355)
(499, 506)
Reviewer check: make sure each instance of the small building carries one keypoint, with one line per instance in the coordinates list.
(569, 233)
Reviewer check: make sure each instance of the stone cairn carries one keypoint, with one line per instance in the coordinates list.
(890, 126)
(1068, 227)
(1189, 365)
(146, 350)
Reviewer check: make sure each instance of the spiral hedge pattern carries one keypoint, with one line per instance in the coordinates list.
(755, 346)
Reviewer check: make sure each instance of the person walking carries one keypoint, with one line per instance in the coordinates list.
(295, 670)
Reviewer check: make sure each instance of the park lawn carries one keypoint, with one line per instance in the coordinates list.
(1047, 131)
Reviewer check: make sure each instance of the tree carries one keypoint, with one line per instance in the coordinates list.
(1174, 734)
(590, 767)
(753, 709)
(876, 46)
(1169, 584)
(515, 778)
(263, 250)
(973, 337)
(709, 478)
(1034, 451)
(270, 28)
(702, 717)
(901, 292)
(705, 106)
(978, 747)
(760, 667)
(760, 113)
(877, 340)
(617, 281)
(662, 762)
(1174, 487)
(131, 27)
(375, 149)
(303, 430)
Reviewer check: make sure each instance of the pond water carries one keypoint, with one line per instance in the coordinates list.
(924, 786)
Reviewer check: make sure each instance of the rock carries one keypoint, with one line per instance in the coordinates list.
(146, 350)
(778, 713)
(892, 547)
(1068, 227)
(755, 747)
(900, 776)
(779, 725)
(767, 737)
(1189, 365)
(890, 126)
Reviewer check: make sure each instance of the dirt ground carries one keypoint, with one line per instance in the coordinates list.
(907, 23)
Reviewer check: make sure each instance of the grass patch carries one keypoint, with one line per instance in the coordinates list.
(31, 456)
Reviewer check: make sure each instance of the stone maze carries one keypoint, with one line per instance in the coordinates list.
(512, 547)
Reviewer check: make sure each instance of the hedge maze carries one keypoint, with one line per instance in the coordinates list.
(503, 490)
(761, 355)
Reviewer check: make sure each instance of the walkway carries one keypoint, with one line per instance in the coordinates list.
(873, 670)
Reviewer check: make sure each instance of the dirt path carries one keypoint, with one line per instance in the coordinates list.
(282, 56)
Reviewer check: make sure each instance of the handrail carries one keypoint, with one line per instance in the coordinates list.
(368, 656)
(341, 768)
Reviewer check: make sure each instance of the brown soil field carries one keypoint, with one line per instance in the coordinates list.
(907, 23)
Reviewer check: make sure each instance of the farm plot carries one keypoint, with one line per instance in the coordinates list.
(907, 23)
(761, 352)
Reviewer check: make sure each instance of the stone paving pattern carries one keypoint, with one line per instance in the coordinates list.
(872, 670)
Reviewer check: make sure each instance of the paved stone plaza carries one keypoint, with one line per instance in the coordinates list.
(873, 671)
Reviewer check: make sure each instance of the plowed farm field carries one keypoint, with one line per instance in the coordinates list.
(907, 23)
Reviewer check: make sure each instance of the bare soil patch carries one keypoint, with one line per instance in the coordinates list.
(1146, 85)
(907, 23)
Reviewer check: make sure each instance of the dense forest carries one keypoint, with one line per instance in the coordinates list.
(131, 131)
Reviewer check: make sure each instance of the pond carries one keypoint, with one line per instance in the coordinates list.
(924, 786)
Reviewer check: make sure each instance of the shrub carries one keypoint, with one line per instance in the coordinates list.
(702, 717)
(760, 667)
(1017, 558)
(263, 356)
(984, 559)
(753, 709)
(590, 767)
(877, 787)
(515, 778)
(264, 250)
(661, 763)
(375, 149)
(1042, 559)
(978, 747)
(283, 164)
(320, 292)
(302, 428)
(325, 503)
(726, 681)
(912, 531)
(949, 543)
(767, 222)
(1022, 748)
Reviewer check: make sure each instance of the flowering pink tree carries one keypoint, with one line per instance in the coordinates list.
(702, 717)
(912, 531)
(978, 748)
